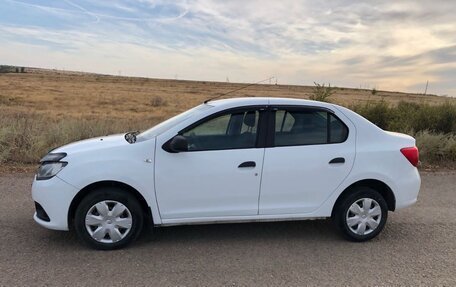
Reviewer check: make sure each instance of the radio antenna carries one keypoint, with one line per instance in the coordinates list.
(238, 89)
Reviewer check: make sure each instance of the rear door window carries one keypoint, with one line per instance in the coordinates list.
(307, 127)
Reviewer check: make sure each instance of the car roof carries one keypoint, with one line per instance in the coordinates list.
(233, 102)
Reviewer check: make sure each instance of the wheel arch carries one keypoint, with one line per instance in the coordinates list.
(106, 183)
(378, 185)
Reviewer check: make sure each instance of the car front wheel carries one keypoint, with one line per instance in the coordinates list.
(108, 218)
(361, 215)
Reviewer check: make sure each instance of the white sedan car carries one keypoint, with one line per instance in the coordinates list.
(235, 160)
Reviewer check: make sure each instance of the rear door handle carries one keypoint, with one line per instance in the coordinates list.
(337, 160)
(247, 164)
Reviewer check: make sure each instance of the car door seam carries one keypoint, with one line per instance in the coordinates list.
(261, 180)
(155, 172)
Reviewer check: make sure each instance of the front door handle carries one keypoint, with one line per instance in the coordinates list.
(247, 164)
(337, 160)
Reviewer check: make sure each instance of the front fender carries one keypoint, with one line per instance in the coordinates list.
(132, 165)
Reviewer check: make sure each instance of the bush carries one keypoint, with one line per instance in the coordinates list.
(410, 117)
(436, 148)
(378, 113)
(321, 92)
(157, 101)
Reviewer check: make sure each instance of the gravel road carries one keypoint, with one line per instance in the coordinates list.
(417, 247)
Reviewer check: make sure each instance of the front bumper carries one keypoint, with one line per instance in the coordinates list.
(55, 196)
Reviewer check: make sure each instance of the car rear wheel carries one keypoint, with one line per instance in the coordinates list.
(108, 218)
(361, 215)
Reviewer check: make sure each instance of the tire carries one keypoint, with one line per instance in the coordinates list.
(114, 218)
(350, 215)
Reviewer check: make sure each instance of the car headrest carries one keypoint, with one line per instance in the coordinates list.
(249, 119)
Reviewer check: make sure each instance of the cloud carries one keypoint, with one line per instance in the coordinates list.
(97, 18)
(396, 45)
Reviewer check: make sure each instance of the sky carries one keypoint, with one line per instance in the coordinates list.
(388, 45)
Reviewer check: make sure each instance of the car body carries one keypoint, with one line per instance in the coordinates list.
(234, 160)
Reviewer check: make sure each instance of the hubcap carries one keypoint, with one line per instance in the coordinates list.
(108, 221)
(364, 216)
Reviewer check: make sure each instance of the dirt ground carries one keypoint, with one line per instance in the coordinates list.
(58, 94)
(417, 247)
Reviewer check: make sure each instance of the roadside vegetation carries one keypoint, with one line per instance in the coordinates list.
(410, 117)
(24, 139)
(41, 110)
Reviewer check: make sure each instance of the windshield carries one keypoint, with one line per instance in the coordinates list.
(164, 126)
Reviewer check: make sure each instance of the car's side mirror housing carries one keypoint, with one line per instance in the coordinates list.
(177, 144)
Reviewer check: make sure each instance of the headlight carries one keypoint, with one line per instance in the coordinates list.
(50, 166)
(48, 170)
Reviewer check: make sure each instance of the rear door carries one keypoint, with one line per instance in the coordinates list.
(311, 151)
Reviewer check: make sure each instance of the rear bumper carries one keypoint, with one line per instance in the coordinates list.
(54, 196)
(407, 189)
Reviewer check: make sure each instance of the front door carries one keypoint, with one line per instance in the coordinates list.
(219, 175)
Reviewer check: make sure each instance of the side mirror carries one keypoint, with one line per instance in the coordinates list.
(176, 144)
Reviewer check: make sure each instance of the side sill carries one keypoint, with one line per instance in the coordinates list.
(206, 221)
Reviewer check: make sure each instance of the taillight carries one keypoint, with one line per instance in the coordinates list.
(412, 154)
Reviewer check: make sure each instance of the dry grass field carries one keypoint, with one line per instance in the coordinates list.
(77, 95)
(43, 109)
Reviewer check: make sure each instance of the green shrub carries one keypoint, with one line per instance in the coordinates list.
(436, 148)
(378, 113)
(321, 93)
(406, 117)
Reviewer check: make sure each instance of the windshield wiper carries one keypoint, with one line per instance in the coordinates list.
(130, 137)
